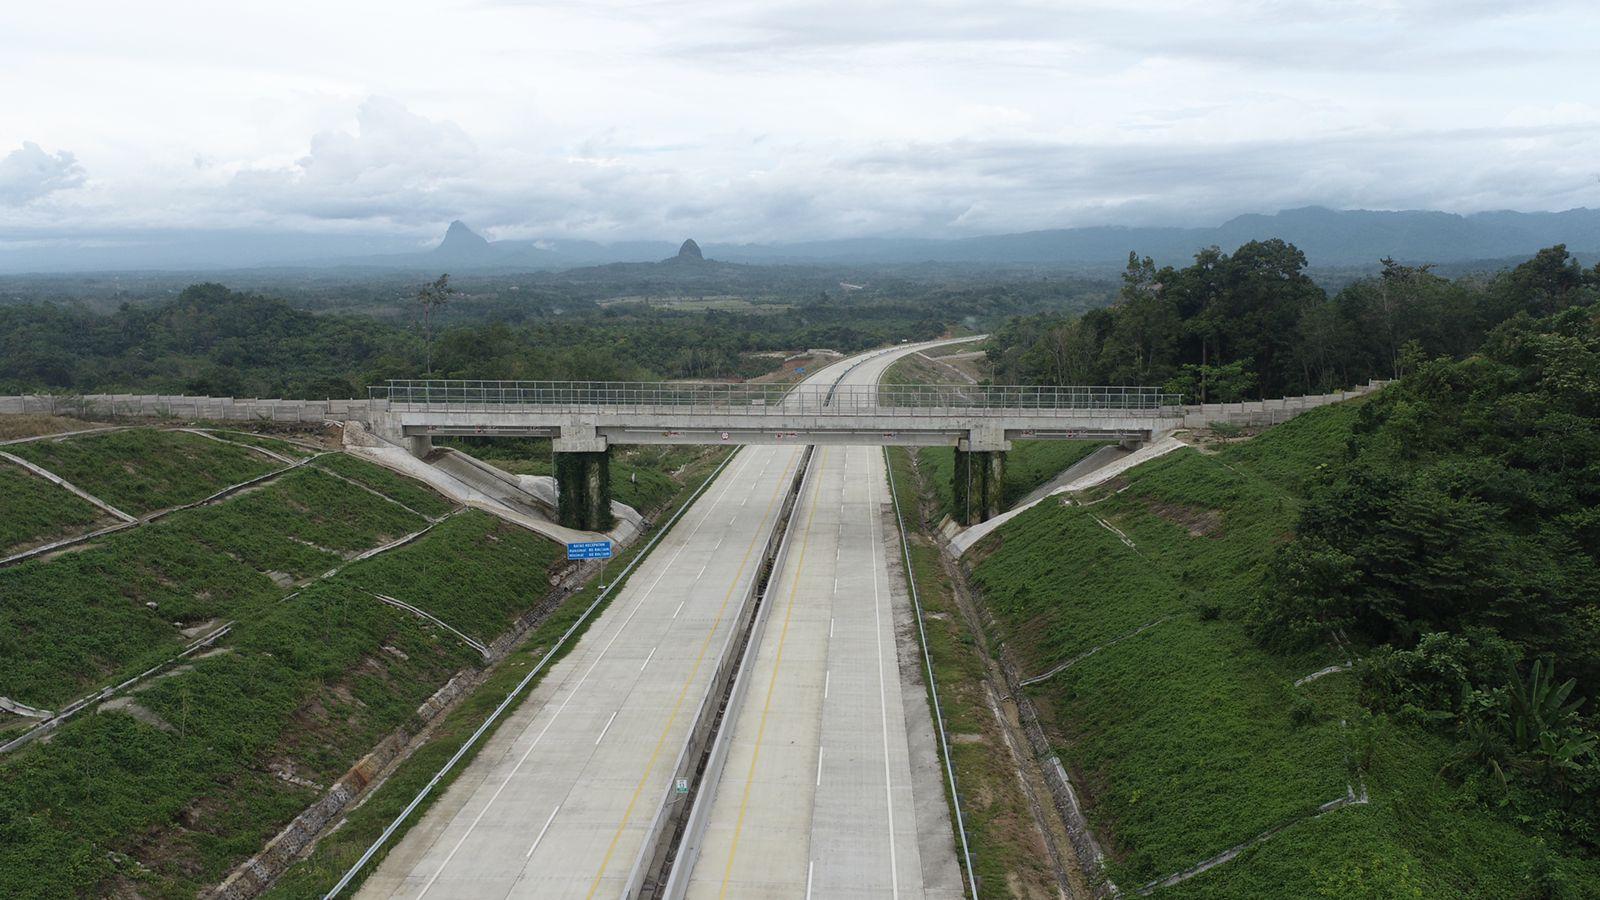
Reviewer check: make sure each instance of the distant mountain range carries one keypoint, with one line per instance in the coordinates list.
(1329, 238)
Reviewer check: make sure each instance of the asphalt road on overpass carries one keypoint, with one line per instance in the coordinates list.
(558, 802)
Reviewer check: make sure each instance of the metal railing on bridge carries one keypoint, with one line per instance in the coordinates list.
(657, 397)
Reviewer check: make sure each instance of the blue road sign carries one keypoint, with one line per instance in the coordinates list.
(589, 550)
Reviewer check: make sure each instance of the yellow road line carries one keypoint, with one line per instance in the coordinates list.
(682, 692)
(777, 662)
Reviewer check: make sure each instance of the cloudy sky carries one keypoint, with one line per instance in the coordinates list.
(778, 120)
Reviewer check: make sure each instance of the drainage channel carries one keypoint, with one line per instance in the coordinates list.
(672, 842)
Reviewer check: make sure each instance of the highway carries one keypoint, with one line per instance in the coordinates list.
(558, 802)
(826, 791)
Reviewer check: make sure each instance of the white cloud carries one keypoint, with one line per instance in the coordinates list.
(788, 119)
(30, 173)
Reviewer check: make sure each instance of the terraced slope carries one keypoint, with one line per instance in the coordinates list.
(74, 622)
(141, 470)
(34, 511)
(1186, 737)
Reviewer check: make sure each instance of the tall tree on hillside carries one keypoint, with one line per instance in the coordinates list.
(1142, 346)
(432, 297)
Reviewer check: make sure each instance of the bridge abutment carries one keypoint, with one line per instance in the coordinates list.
(583, 486)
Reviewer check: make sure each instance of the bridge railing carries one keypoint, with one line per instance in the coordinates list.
(688, 398)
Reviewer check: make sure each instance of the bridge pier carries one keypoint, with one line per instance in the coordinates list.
(583, 476)
(979, 478)
(583, 490)
(978, 485)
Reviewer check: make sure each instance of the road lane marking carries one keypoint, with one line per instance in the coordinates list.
(810, 867)
(772, 682)
(826, 677)
(606, 729)
(819, 766)
(679, 609)
(651, 656)
(677, 706)
(542, 831)
(883, 703)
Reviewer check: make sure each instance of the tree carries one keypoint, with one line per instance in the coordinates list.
(431, 297)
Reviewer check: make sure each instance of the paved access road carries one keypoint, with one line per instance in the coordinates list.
(558, 801)
(832, 785)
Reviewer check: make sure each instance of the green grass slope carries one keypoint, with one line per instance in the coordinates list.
(1187, 737)
(141, 470)
(473, 571)
(78, 620)
(34, 511)
(165, 797)
(413, 494)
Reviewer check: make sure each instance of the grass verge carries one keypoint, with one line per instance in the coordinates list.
(1008, 856)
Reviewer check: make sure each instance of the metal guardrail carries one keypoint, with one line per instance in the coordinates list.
(769, 399)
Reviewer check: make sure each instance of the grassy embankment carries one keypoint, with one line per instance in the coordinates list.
(142, 470)
(1187, 737)
(165, 789)
(1007, 854)
(33, 511)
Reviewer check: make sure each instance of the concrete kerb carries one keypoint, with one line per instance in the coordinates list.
(705, 753)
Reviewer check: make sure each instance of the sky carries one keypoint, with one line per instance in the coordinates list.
(771, 120)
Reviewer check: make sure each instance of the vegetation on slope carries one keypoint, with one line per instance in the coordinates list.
(1189, 736)
(414, 495)
(34, 511)
(119, 605)
(166, 802)
(475, 572)
(141, 470)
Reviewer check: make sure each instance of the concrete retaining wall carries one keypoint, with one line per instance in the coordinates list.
(1267, 412)
(220, 409)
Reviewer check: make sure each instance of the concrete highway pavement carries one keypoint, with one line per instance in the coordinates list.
(558, 802)
(831, 787)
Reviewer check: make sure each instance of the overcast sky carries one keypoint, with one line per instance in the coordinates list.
(774, 120)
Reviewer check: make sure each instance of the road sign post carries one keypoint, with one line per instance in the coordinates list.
(589, 550)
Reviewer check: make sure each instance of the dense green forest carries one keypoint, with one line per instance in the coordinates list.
(210, 339)
(1458, 535)
(1253, 324)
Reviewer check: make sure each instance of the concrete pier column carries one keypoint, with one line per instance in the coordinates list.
(978, 485)
(583, 485)
(420, 445)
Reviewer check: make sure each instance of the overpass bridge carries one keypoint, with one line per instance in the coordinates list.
(586, 416)
(584, 419)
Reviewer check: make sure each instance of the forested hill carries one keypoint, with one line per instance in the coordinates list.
(1251, 324)
(213, 340)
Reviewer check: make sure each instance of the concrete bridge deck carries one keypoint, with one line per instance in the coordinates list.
(589, 416)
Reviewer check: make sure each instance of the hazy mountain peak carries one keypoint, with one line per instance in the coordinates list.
(459, 239)
(690, 250)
